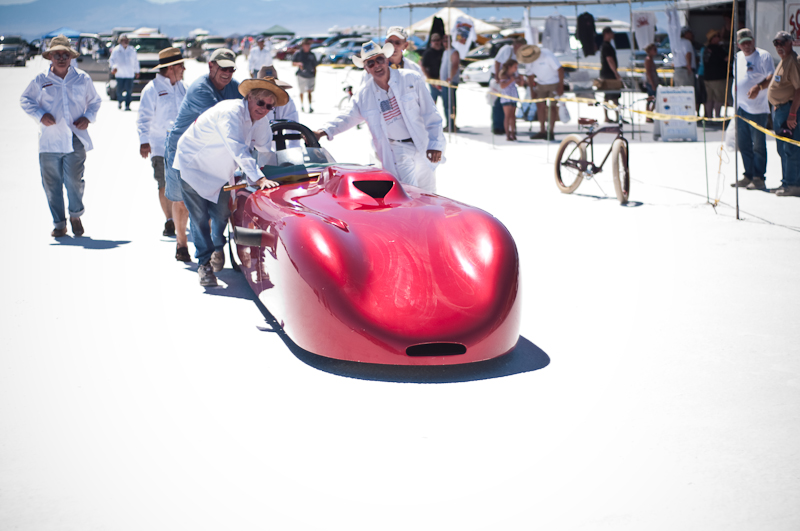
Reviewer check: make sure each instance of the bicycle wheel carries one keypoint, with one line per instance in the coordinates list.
(344, 103)
(571, 153)
(622, 176)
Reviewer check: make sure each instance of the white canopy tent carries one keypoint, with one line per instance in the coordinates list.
(450, 14)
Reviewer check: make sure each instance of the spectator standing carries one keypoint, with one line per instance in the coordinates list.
(161, 98)
(260, 57)
(208, 154)
(205, 92)
(125, 67)
(715, 73)
(63, 102)
(753, 70)
(397, 37)
(650, 77)
(784, 95)
(508, 87)
(548, 73)
(509, 51)
(684, 59)
(405, 126)
(449, 73)
(432, 62)
(608, 68)
(306, 63)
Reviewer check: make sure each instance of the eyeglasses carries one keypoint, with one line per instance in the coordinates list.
(262, 103)
(228, 69)
(59, 55)
(779, 42)
(377, 61)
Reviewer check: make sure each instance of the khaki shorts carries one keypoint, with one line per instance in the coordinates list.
(715, 90)
(158, 171)
(305, 84)
(546, 91)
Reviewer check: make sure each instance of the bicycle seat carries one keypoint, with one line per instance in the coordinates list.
(586, 121)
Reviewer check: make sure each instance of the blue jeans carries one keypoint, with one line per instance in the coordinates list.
(60, 170)
(125, 84)
(752, 143)
(790, 154)
(449, 102)
(436, 91)
(200, 211)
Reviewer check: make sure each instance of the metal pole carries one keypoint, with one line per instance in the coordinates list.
(577, 60)
(380, 11)
(735, 23)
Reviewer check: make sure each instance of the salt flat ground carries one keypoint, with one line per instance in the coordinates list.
(656, 385)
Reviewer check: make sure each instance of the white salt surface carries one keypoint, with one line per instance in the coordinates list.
(131, 398)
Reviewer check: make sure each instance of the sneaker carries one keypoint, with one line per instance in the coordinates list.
(785, 191)
(182, 254)
(169, 228)
(742, 183)
(777, 191)
(310, 109)
(217, 261)
(77, 226)
(59, 233)
(757, 184)
(207, 278)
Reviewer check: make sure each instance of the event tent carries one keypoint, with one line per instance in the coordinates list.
(67, 32)
(277, 29)
(450, 14)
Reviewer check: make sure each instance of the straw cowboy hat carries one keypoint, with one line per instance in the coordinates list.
(371, 49)
(60, 43)
(711, 34)
(528, 53)
(266, 83)
(168, 57)
(262, 74)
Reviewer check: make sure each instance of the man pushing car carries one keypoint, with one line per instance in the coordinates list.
(402, 118)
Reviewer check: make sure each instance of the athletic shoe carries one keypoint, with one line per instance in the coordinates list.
(182, 254)
(785, 191)
(217, 261)
(757, 184)
(742, 183)
(169, 229)
(77, 226)
(207, 278)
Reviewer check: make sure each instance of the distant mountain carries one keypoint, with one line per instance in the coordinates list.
(179, 18)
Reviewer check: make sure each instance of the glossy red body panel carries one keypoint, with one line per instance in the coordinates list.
(357, 278)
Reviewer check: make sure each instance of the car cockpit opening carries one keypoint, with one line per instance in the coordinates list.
(374, 189)
(436, 349)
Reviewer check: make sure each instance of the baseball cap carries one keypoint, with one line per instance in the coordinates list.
(782, 36)
(397, 31)
(223, 57)
(744, 35)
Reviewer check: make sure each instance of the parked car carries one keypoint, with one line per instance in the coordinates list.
(343, 50)
(286, 52)
(93, 58)
(325, 47)
(13, 50)
(485, 51)
(147, 47)
(208, 44)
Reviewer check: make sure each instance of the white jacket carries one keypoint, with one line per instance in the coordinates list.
(66, 100)
(259, 58)
(158, 109)
(416, 106)
(124, 60)
(216, 143)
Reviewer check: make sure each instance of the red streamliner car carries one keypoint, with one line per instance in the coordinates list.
(356, 267)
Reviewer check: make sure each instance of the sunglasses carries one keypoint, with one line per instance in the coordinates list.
(377, 61)
(228, 69)
(60, 55)
(262, 103)
(779, 42)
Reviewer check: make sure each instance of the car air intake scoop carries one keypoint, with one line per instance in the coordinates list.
(374, 189)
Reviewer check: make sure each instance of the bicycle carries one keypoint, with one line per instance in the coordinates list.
(572, 166)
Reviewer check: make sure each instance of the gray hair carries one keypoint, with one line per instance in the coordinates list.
(258, 93)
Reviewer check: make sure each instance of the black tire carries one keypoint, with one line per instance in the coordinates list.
(571, 154)
(622, 175)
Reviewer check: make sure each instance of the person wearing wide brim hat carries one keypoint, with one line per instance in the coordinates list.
(208, 154)
(710, 35)
(399, 111)
(168, 57)
(528, 54)
(60, 43)
(542, 65)
(283, 112)
(714, 74)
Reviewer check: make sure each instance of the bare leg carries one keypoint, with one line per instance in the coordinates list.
(553, 118)
(541, 113)
(181, 218)
(166, 204)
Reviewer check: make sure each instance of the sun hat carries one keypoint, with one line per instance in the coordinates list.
(267, 83)
(223, 57)
(168, 57)
(744, 35)
(397, 31)
(371, 49)
(711, 34)
(528, 53)
(60, 43)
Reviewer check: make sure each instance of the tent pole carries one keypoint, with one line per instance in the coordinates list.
(732, 123)
(380, 11)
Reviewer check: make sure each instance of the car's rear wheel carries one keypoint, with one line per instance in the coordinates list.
(619, 165)
(570, 160)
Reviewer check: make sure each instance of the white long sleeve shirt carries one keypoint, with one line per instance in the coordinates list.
(124, 60)
(66, 100)
(259, 58)
(216, 143)
(416, 108)
(158, 109)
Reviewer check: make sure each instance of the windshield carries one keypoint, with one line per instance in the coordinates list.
(303, 155)
(149, 45)
(10, 40)
(218, 40)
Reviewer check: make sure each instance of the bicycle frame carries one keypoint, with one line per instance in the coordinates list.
(588, 166)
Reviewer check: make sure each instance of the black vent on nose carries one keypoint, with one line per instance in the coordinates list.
(436, 349)
(375, 189)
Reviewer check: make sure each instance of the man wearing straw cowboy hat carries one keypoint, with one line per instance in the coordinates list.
(402, 118)
(208, 154)
(63, 102)
(545, 68)
(205, 92)
(161, 98)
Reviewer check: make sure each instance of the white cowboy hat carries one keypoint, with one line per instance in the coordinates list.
(371, 49)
